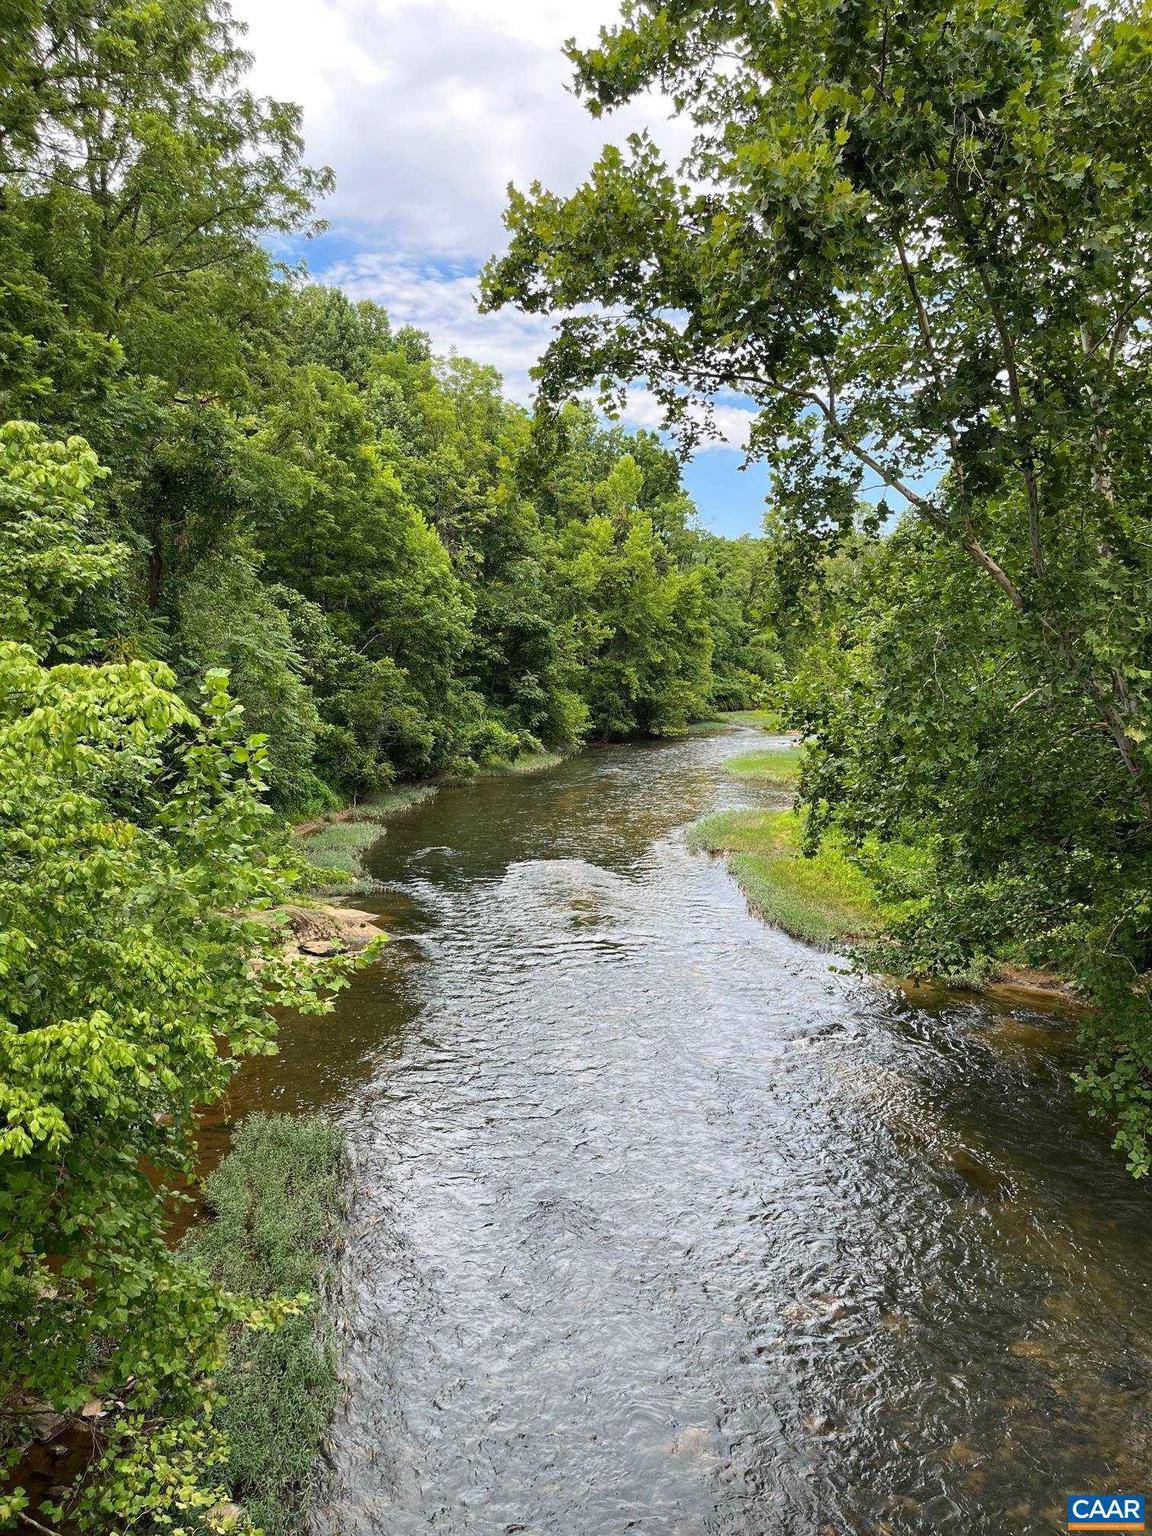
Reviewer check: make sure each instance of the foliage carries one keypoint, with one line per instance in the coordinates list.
(131, 876)
(48, 561)
(274, 1226)
(229, 620)
(874, 246)
(1000, 779)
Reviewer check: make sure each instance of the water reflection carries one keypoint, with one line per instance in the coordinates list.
(663, 1225)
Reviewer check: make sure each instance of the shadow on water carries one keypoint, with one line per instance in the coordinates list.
(663, 1224)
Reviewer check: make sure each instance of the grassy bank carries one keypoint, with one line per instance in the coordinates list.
(275, 1226)
(527, 762)
(770, 720)
(776, 767)
(337, 846)
(824, 900)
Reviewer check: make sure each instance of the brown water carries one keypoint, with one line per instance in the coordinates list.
(662, 1224)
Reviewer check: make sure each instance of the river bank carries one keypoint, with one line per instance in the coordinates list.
(275, 1222)
(334, 845)
(827, 898)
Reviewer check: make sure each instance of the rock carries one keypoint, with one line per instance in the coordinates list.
(48, 1426)
(44, 1423)
(318, 933)
(321, 948)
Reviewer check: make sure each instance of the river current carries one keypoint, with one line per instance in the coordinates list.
(663, 1223)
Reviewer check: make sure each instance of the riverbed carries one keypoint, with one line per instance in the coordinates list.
(664, 1223)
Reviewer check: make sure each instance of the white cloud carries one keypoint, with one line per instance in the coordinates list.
(730, 421)
(426, 109)
(415, 291)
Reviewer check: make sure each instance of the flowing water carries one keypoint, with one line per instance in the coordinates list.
(661, 1223)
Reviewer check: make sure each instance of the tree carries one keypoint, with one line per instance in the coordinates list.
(147, 155)
(230, 621)
(135, 972)
(640, 624)
(137, 180)
(918, 241)
(337, 526)
(49, 564)
(743, 594)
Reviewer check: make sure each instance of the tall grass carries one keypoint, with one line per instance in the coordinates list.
(526, 762)
(770, 720)
(275, 1227)
(336, 851)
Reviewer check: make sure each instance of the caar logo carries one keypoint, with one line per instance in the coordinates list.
(1105, 1511)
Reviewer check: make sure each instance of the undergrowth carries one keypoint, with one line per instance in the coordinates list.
(274, 1229)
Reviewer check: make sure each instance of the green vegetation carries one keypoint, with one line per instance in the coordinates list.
(275, 1225)
(262, 552)
(526, 762)
(135, 975)
(917, 241)
(824, 898)
(777, 767)
(336, 848)
(773, 721)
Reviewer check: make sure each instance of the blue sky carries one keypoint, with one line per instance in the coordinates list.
(426, 109)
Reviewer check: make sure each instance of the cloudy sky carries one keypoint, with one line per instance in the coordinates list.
(426, 109)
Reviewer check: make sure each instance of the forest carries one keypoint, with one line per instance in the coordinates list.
(264, 554)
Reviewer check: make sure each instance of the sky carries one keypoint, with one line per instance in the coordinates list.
(426, 110)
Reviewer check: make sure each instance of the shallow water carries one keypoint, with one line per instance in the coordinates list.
(662, 1224)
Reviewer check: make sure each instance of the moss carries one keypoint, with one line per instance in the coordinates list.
(825, 899)
(778, 767)
(275, 1228)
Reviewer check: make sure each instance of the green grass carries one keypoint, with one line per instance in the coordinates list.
(276, 1223)
(336, 850)
(824, 900)
(778, 767)
(770, 720)
(527, 762)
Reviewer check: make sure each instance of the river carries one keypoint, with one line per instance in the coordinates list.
(662, 1223)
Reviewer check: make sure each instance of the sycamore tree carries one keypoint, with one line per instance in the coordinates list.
(135, 972)
(918, 239)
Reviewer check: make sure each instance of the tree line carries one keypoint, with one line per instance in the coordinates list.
(401, 571)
